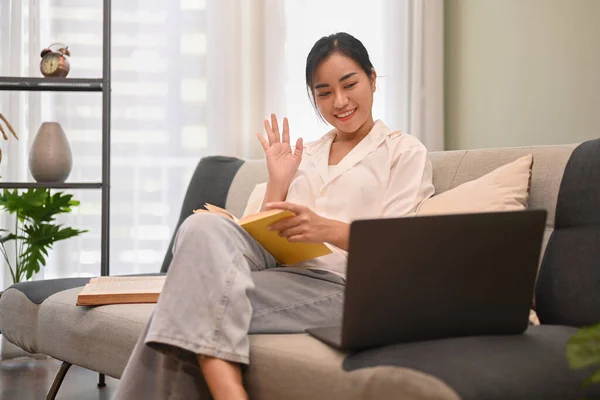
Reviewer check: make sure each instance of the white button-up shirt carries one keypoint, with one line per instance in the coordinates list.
(387, 174)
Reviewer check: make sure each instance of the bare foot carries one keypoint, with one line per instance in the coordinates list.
(224, 378)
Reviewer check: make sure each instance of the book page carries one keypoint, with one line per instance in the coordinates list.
(123, 284)
(218, 210)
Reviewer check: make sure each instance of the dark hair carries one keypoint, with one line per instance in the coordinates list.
(342, 43)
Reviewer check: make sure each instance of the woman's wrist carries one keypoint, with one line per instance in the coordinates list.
(281, 185)
(338, 234)
(275, 192)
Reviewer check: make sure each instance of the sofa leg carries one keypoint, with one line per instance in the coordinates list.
(58, 379)
(101, 380)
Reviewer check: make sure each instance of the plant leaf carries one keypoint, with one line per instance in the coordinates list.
(594, 378)
(36, 209)
(8, 237)
(583, 348)
(39, 238)
(23, 203)
(36, 205)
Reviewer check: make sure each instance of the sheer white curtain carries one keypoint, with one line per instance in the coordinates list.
(192, 78)
(404, 39)
(426, 75)
(177, 70)
(371, 24)
(15, 30)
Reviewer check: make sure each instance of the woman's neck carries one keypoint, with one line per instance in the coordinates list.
(356, 136)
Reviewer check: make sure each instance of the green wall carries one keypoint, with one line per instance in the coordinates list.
(521, 72)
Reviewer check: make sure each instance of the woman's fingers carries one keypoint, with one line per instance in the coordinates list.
(273, 133)
(263, 141)
(285, 224)
(275, 127)
(296, 238)
(285, 138)
(291, 232)
(299, 148)
(269, 131)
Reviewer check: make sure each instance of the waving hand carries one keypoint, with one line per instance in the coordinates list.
(282, 163)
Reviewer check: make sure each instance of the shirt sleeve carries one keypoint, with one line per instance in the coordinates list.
(410, 183)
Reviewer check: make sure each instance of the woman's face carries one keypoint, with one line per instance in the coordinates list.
(344, 93)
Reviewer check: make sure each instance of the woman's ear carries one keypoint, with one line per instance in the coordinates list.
(373, 80)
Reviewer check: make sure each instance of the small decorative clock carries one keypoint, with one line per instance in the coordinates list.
(55, 61)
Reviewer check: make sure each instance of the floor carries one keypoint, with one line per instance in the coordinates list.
(29, 379)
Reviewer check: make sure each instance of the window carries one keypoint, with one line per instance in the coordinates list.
(158, 128)
(186, 79)
(308, 20)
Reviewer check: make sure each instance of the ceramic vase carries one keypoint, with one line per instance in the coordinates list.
(50, 158)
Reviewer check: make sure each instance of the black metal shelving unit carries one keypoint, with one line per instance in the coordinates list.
(52, 84)
(65, 185)
(101, 85)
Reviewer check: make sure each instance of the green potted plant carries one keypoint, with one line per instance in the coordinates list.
(583, 351)
(34, 233)
(35, 229)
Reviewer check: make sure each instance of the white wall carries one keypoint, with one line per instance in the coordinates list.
(521, 72)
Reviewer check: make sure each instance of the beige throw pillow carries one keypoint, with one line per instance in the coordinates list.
(255, 200)
(504, 189)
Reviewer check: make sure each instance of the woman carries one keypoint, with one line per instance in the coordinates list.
(222, 285)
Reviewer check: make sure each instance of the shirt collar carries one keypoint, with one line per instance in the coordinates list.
(376, 135)
(319, 151)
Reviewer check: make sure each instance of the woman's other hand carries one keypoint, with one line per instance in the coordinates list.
(307, 226)
(282, 163)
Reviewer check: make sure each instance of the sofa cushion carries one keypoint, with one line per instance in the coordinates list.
(504, 189)
(251, 173)
(84, 336)
(210, 183)
(282, 366)
(300, 367)
(450, 169)
(528, 366)
(19, 307)
(568, 286)
(38, 291)
(256, 198)
(453, 168)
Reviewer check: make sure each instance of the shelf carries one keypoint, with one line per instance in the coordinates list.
(51, 84)
(66, 185)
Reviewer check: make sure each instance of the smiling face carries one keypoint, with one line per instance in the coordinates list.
(344, 94)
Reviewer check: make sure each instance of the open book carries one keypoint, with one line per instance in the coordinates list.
(284, 251)
(121, 290)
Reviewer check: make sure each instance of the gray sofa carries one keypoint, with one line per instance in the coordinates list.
(41, 317)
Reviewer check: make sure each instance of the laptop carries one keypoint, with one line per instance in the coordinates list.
(432, 277)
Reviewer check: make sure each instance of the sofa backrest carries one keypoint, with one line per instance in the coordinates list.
(210, 183)
(567, 290)
(568, 286)
(450, 169)
(453, 168)
(227, 182)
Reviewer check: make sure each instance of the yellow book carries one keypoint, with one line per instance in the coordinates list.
(284, 251)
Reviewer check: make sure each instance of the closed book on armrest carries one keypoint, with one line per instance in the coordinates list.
(104, 290)
(284, 251)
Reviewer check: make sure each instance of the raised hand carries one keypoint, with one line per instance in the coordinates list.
(282, 163)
